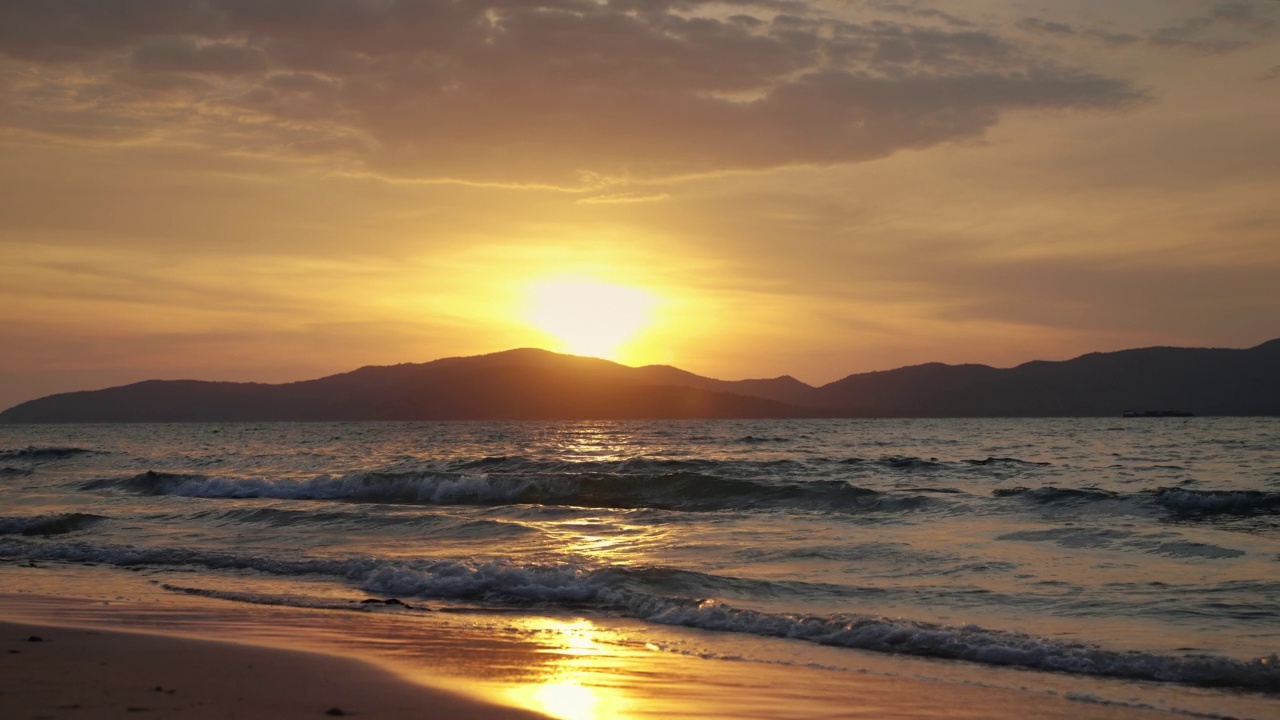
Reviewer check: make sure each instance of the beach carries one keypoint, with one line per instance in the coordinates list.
(56, 671)
(197, 659)
(763, 570)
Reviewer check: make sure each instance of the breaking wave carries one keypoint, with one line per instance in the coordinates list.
(424, 525)
(683, 490)
(622, 591)
(1180, 501)
(1218, 502)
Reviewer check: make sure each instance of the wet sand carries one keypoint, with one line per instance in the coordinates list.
(236, 661)
(61, 672)
(304, 664)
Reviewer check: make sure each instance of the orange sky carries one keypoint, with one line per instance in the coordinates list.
(279, 189)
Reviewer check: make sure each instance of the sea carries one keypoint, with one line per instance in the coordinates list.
(1124, 562)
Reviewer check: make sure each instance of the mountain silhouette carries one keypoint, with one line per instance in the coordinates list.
(529, 384)
(1203, 381)
(516, 385)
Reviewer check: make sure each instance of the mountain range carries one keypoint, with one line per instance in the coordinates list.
(530, 384)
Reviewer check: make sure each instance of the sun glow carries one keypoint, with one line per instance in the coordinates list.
(589, 317)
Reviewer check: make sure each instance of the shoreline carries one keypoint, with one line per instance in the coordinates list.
(105, 658)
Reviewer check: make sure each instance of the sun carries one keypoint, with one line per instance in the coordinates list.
(589, 317)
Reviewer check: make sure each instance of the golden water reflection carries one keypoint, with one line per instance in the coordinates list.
(606, 538)
(571, 684)
(568, 700)
(596, 441)
(578, 676)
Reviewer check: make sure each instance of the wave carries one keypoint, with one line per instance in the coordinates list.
(1182, 502)
(1111, 538)
(620, 591)
(424, 525)
(59, 524)
(1218, 502)
(1050, 495)
(678, 485)
(630, 466)
(895, 462)
(825, 466)
(44, 453)
(1005, 461)
(738, 467)
(686, 491)
(8, 472)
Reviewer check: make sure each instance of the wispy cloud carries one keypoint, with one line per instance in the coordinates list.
(626, 197)
(1225, 27)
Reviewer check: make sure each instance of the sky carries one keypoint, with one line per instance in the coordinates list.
(276, 190)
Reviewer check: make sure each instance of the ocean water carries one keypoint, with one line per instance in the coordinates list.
(1144, 551)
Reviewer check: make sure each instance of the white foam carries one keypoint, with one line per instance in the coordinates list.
(558, 584)
(1218, 501)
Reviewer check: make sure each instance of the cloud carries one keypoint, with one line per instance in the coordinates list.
(180, 54)
(1244, 14)
(1226, 27)
(553, 92)
(1046, 27)
(927, 13)
(623, 198)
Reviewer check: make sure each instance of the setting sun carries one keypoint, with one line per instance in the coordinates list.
(589, 317)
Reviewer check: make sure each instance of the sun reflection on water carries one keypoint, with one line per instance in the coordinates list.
(577, 654)
(566, 688)
(568, 700)
(608, 538)
(596, 441)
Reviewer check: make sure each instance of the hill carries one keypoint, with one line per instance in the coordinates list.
(1203, 381)
(513, 385)
(532, 384)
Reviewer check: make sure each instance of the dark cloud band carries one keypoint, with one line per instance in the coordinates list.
(558, 92)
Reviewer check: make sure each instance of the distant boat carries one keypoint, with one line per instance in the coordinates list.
(1157, 413)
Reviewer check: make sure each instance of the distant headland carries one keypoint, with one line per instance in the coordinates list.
(529, 384)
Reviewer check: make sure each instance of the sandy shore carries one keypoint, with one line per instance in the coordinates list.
(288, 662)
(58, 672)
